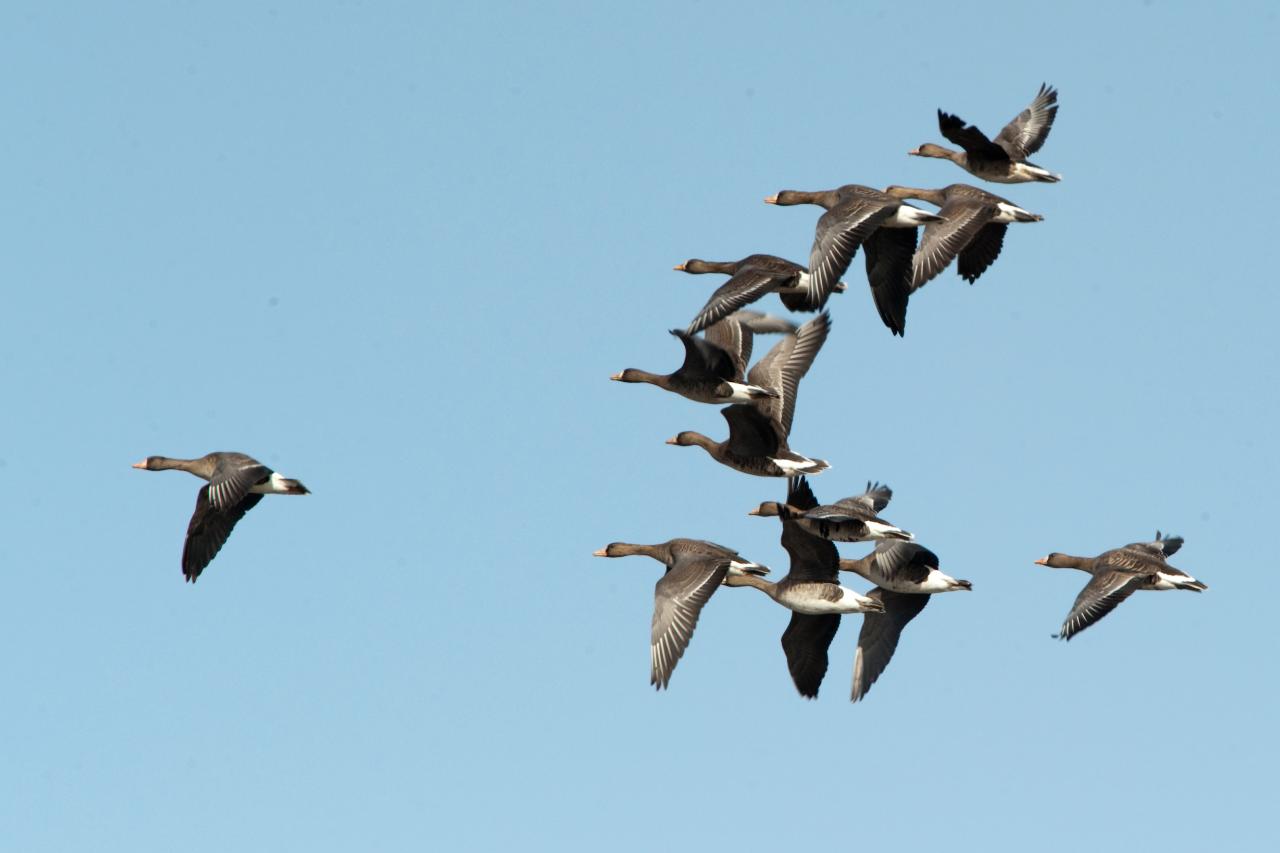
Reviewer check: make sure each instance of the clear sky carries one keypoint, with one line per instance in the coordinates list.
(396, 250)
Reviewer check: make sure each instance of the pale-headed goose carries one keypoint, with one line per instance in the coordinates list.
(905, 575)
(714, 364)
(694, 569)
(236, 483)
(812, 591)
(848, 520)
(1005, 160)
(750, 279)
(973, 225)
(863, 216)
(1117, 574)
(758, 431)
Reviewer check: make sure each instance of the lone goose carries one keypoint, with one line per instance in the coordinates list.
(694, 569)
(905, 574)
(863, 216)
(750, 279)
(1005, 160)
(758, 431)
(848, 520)
(973, 227)
(236, 483)
(1117, 574)
(812, 591)
(714, 364)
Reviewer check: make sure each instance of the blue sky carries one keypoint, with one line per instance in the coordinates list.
(396, 250)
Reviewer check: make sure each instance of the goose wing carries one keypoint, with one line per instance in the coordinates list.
(805, 643)
(704, 358)
(234, 474)
(839, 233)
(982, 251)
(903, 562)
(1023, 136)
(678, 599)
(962, 220)
(208, 530)
(1104, 591)
(967, 136)
(785, 365)
(743, 288)
(735, 340)
(889, 253)
(751, 432)
(878, 638)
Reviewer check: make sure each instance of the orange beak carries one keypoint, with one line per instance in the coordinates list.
(679, 267)
(142, 464)
(600, 553)
(671, 441)
(773, 199)
(1043, 561)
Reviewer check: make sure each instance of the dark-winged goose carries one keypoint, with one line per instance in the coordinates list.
(1117, 574)
(905, 574)
(758, 431)
(812, 591)
(1004, 160)
(236, 483)
(863, 216)
(848, 520)
(973, 225)
(750, 279)
(714, 364)
(694, 569)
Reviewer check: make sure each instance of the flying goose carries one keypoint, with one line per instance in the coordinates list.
(848, 520)
(714, 364)
(750, 279)
(863, 216)
(1005, 160)
(694, 569)
(1117, 574)
(236, 483)
(905, 574)
(758, 431)
(812, 591)
(973, 225)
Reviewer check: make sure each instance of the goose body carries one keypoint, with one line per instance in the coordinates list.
(752, 278)
(694, 569)
(848, 520)
(1003, 160)
(714, 364)
(884, 225)
(236, 483)
(1117, 574)
(758, 431)
(972, 229)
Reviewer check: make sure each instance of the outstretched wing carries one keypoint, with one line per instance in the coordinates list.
(678, 599)
(234, 475)
(962, 220)
(208, 530)
(1023, 136)
(839, 234)
(741, 289)
(968, 137)
(889, 252)
(1104, 591)
(805, 643)
(878, 639)
(982, 251)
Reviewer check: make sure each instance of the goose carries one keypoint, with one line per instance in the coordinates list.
(863, 216)
(848, 520)
(812, 591)
(973, 228)
(758, 431)
(1005, 160)
(905, 575)
(694, 569)
(750, 279)
(1117, 574)
(236, 483)
(714, 364)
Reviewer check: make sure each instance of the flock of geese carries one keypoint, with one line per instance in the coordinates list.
(969, 228)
